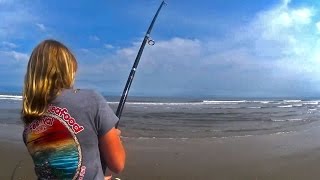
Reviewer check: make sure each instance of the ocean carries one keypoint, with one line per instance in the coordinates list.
(150, 117)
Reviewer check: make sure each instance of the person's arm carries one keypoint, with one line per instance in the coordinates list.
(112, 150)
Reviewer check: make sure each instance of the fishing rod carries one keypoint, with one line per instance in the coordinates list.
(151, 42)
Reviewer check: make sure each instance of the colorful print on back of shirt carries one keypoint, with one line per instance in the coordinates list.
(54, 147)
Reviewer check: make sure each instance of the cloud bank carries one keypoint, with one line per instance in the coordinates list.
(274, 53)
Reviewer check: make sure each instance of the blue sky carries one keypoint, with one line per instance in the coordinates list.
(228, 48)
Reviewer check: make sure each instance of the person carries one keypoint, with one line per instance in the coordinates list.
(68, 132)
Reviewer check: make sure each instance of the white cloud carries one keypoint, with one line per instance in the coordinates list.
(9, 44)
(94, 38)
(165, 53)
(167, 58)
(278, 46)
(280, 32)
(108, 46)
(12, 61)
(281, 22)
(14, 18)
(84, 50)
(285, 3)
(41, 27)
(318, 26)
(285, 38)
(302, 15)
(14, 55)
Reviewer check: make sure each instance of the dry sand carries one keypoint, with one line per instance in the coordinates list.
(292, 156)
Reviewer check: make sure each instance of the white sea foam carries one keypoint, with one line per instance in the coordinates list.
(282, 104)
(265, 102)
(10, 97)
(224, 102)
(160, 103)
(254, 107)
(285, 132)
(311, 103)
(292, 101)
(285, 106)
(295, 119)
(297, 105)
(205, 102)
(284, 120)
(278, 120)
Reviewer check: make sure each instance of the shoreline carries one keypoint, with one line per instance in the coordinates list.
(280, 156)
(293, 156)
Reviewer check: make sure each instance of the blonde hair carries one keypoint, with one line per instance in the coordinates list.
(51, 68)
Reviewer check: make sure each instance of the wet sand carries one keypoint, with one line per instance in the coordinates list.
(292, 156)
(15, 161)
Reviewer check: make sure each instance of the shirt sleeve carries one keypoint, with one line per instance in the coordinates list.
(105, 118)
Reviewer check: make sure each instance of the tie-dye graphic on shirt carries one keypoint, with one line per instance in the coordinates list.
(54, 148)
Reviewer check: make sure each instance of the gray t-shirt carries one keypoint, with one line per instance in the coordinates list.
(64, 142)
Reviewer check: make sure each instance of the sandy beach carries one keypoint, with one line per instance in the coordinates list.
(292, 156)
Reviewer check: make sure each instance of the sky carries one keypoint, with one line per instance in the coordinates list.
(220, 48)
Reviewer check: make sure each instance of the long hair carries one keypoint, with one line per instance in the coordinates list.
(51, 68)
